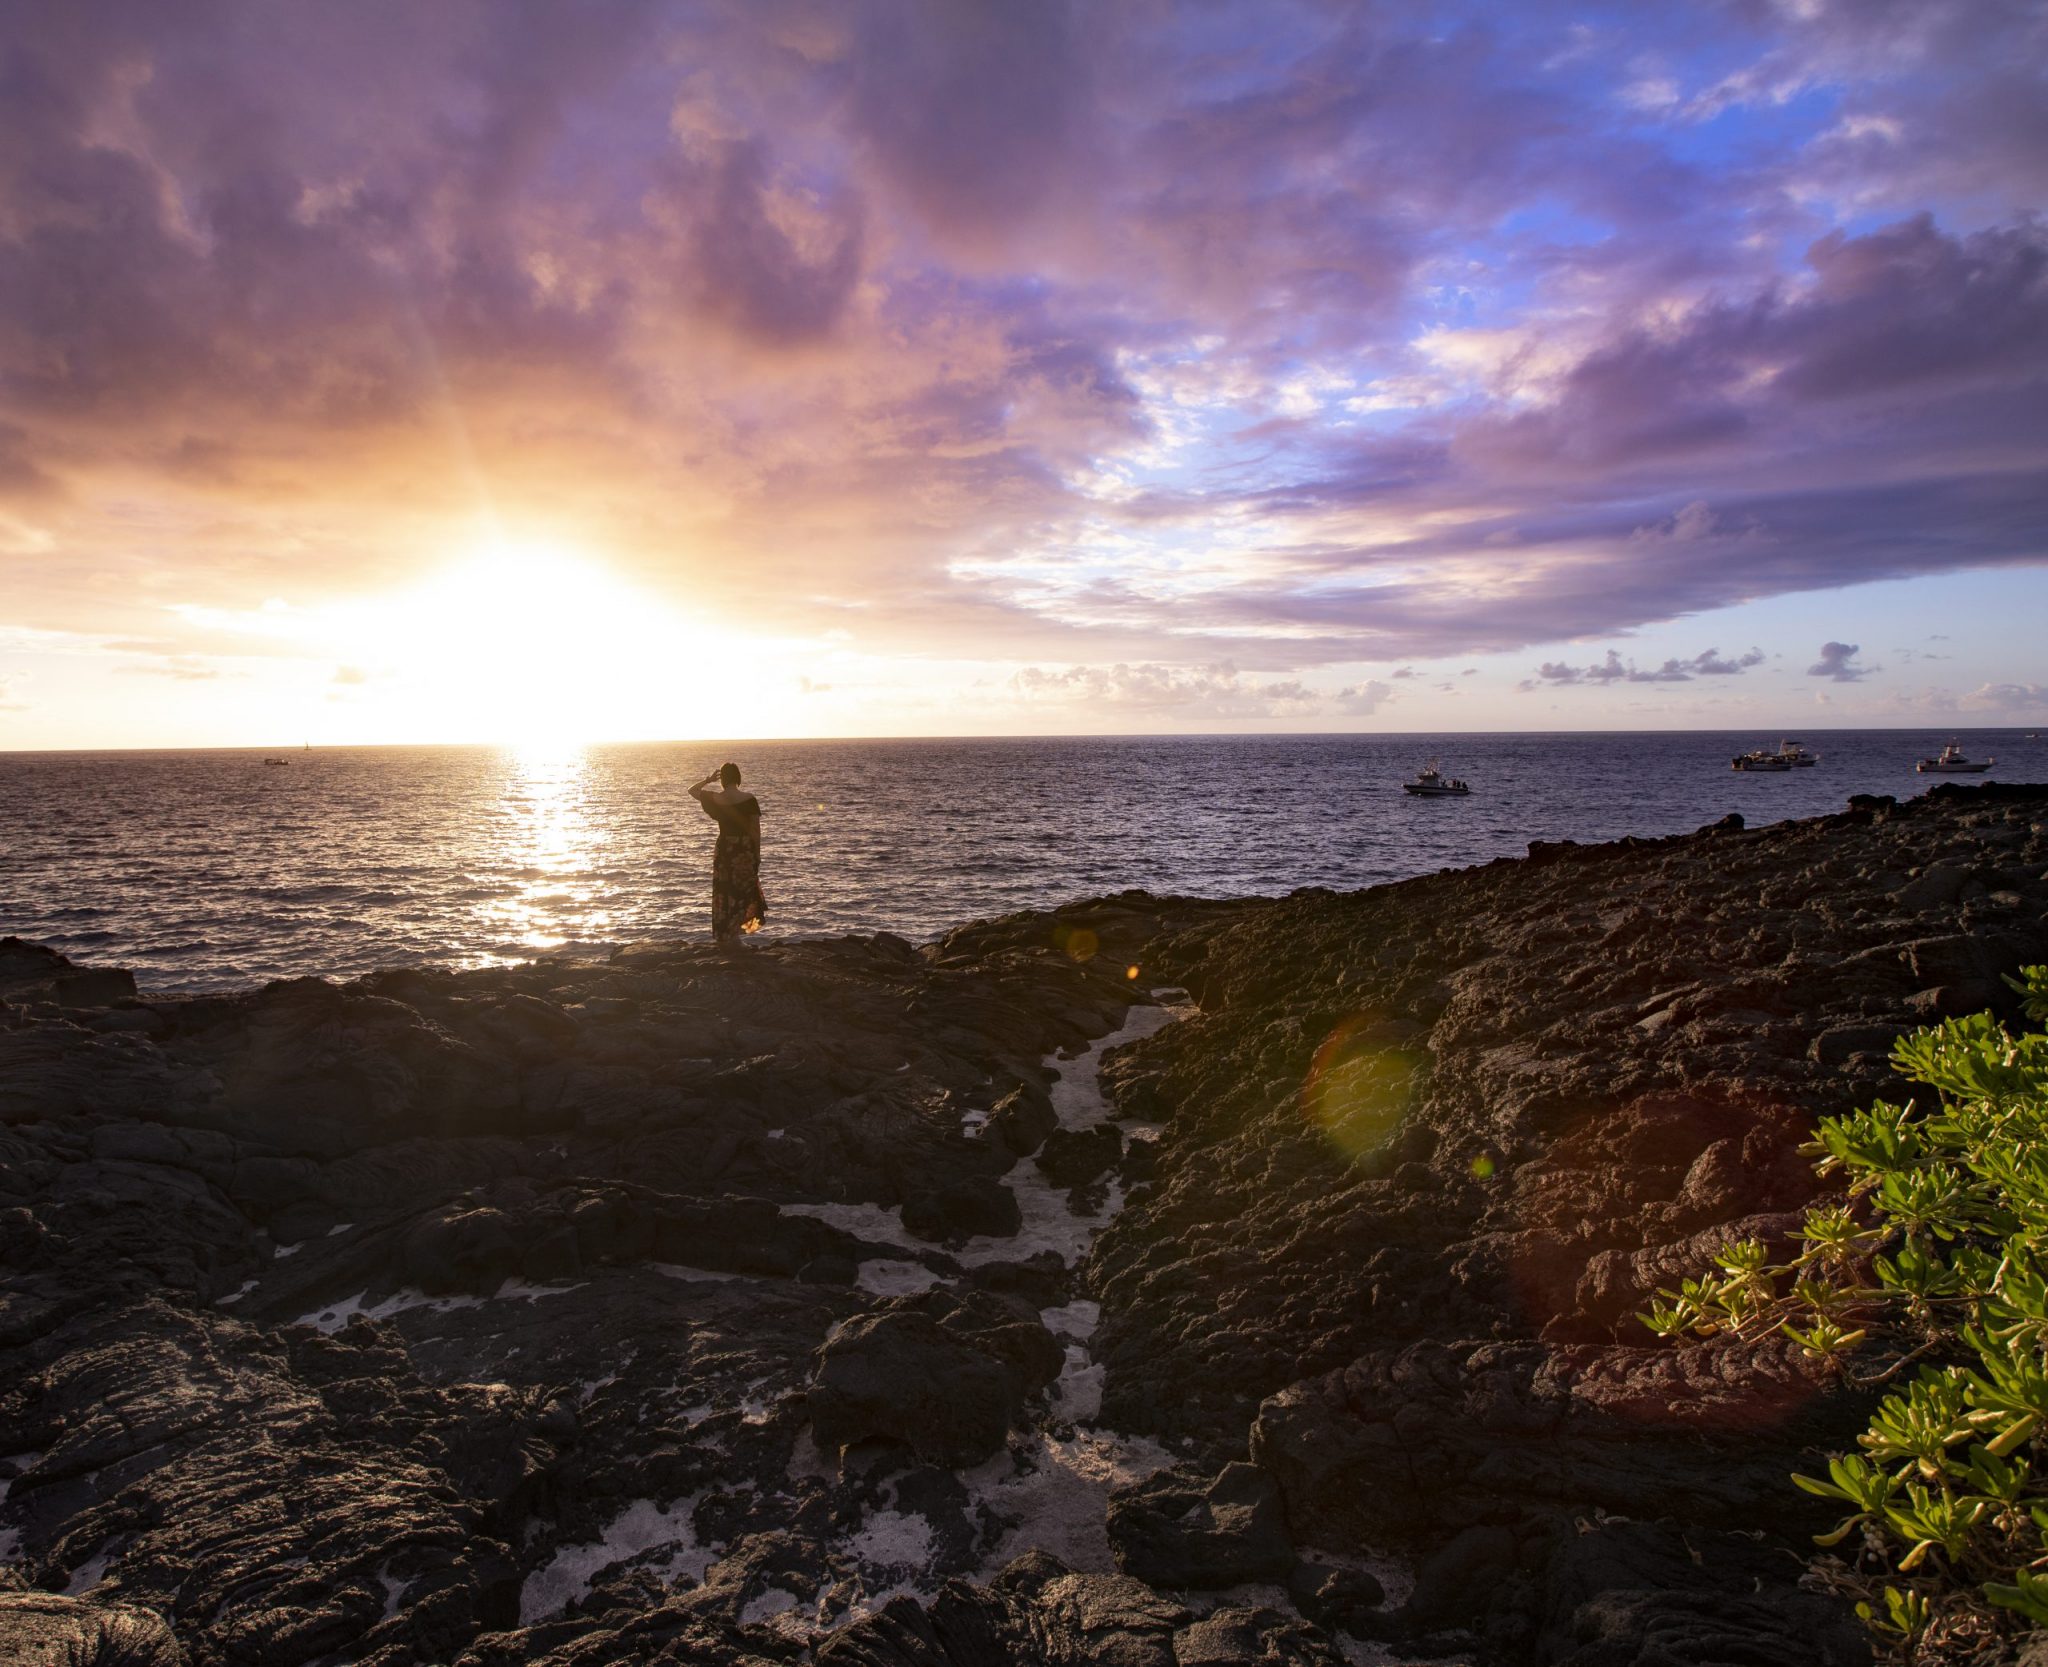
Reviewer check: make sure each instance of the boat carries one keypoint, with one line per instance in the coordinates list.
(1952, 762)
(1432, 783)
(1769, 762)
(1797, 754)
(277, 763)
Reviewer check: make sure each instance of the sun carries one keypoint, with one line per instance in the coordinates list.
(541, 647)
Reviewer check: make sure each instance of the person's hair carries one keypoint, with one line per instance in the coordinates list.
(728, 775)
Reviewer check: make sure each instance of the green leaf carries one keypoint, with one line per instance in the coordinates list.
(1940, 1246)
(2026, 1595)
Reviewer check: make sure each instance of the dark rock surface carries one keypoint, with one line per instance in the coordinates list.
(961, 1210)
(947, 1377)
(1190, 1531)
(45, 1629)
(707, 1306)
(1430, 1147)
(1074, 1157)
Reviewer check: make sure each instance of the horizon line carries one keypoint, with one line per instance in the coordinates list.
(1017, 736)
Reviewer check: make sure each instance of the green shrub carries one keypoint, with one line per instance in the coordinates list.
(1940, 1253)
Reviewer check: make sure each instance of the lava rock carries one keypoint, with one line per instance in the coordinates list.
(1022, 1119)
(1421, 1443)
(974, 1207)
(1234, 1635)
(1346, 1599)
(1106, 1618)
(1472, 1560)
(40, 1627)
(1186, 1531)
(316, 1295)
(1074, 1157)
(946, 1376)
(1039, 1281)
(1636, 1594)
(97, 987)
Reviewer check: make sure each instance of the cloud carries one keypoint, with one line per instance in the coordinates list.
(10, 695)
(1613, 669)
(1837, 662)
(773, 259)
(1070, 334)
(183, 668)
(1710, 663)
(2007, 697)
(1218, 691)
(1693, 524)
(350, 675)
(1558, 672)
(1359, 700)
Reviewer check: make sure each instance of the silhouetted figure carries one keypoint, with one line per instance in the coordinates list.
(736, 902)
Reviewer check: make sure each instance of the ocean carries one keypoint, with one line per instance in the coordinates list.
(211, 870)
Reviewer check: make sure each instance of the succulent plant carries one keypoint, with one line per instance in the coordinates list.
(1938, 1249)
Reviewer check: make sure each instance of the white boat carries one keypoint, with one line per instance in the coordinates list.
(1952, 762)
(277, 763)
(1797, 755)
(1432, 783)
(1769, 762)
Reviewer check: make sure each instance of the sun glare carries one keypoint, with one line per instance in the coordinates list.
(549, 840)
(543, 649)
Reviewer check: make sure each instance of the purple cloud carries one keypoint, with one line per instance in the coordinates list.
(1711, 664)
(1838, 662)
(981, 329)
(1613, 669)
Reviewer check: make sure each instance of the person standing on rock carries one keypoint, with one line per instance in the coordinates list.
(737, 904)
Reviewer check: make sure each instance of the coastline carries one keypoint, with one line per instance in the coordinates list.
(334, 1315)
(210, 873)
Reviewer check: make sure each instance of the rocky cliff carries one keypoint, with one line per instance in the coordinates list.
(1150, 1281)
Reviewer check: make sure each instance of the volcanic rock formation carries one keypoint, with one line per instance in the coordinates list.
(806, 1302)
(1430, 1148)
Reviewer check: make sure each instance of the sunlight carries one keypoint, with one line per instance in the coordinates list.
(538, 648)
(547, 842)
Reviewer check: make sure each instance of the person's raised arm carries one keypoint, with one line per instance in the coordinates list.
(698, 793)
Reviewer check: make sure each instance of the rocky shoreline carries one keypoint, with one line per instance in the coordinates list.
(1149, 1281)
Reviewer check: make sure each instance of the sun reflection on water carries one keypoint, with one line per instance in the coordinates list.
(546, 841)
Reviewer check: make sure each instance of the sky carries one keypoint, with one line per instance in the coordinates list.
(514, 371)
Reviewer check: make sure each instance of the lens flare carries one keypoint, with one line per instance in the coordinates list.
(1077, 943)
(1360, 1086)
